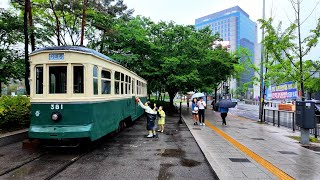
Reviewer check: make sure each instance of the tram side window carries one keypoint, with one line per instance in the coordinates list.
(105, 82)
(129, 85)
(137, 87)
(95, 80)
(58, 79)
(122, 83)
(142, 88)
(126, 85)
(39, 80)
(133, 85)
(116, 82)
(78, 79)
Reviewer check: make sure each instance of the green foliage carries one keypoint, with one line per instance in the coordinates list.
(313, 85)
(11, 63)
(285, 57)
(14, 112)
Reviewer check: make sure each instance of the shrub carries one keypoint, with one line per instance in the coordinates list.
(14, 112)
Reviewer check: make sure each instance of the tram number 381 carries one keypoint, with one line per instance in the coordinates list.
(56, 106)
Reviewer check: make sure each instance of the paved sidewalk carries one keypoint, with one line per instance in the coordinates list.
(268, 151)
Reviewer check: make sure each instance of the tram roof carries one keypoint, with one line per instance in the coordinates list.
(74, 48)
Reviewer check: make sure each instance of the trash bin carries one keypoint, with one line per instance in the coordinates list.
(305, 114)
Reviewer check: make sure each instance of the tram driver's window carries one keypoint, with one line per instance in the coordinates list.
(58, 79)
(95, 80)
(78, 79)
(105, 82)
(39, 80)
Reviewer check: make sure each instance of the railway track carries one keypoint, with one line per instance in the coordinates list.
(41, 161)
(52, 161)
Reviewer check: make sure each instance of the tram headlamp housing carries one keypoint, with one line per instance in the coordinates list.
(56, 116)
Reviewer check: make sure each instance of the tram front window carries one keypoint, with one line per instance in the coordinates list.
(78, 79)
(39, 80)
(58, 79)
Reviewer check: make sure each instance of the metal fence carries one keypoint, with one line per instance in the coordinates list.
(287, 119)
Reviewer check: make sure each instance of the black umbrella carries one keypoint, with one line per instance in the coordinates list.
(226, 103)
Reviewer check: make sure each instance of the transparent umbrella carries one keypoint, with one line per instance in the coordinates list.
(197, 95)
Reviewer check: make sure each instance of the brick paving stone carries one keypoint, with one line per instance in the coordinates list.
(304, 164)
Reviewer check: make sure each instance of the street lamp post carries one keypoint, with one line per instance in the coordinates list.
(261, 70)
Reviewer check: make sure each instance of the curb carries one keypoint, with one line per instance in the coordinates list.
(204, 152)
(12, 137)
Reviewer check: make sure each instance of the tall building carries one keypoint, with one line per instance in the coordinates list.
(233, 25)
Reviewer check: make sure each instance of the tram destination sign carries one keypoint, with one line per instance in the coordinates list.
(56, 56)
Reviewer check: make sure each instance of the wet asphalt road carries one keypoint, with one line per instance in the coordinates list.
(128, 155)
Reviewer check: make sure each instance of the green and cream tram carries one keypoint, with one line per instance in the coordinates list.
(77, 92)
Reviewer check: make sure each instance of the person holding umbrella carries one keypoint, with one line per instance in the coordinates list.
(224, 105)
(201, 105)
(223, 112)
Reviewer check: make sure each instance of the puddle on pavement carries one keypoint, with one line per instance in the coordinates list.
(163, 173)
(189, 163)
(173, 153)
(313, 148)
(172, 132)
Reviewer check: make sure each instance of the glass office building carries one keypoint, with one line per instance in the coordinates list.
(235, 26)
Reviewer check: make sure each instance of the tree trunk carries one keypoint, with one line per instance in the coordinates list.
(57, 23)
(0, 88)
(83, 21)
(102, 42)
(172, 94)
(300, 54)
(32, 38)
(159, 95)
(26, 46)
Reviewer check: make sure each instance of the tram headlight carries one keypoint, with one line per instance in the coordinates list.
(56, 116)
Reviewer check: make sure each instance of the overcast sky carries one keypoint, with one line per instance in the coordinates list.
(186, 11)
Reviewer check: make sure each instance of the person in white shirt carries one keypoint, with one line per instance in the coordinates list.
(151, 118)
(201, 105)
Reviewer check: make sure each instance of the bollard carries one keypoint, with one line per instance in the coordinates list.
(316, 128)
(293, 123)
(273, 117)
(278, 118)
(180, 120)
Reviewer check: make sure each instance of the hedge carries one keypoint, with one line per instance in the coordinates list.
(14, 112)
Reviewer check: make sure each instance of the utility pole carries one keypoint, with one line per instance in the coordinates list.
(262, 89)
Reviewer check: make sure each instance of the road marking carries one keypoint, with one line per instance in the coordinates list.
(266, 164)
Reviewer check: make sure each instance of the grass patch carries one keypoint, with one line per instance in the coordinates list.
(259, 122)
(311, 139)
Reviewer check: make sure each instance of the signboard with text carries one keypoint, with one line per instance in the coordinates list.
(286, 90)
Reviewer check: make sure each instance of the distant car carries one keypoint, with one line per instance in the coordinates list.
(235, 101)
